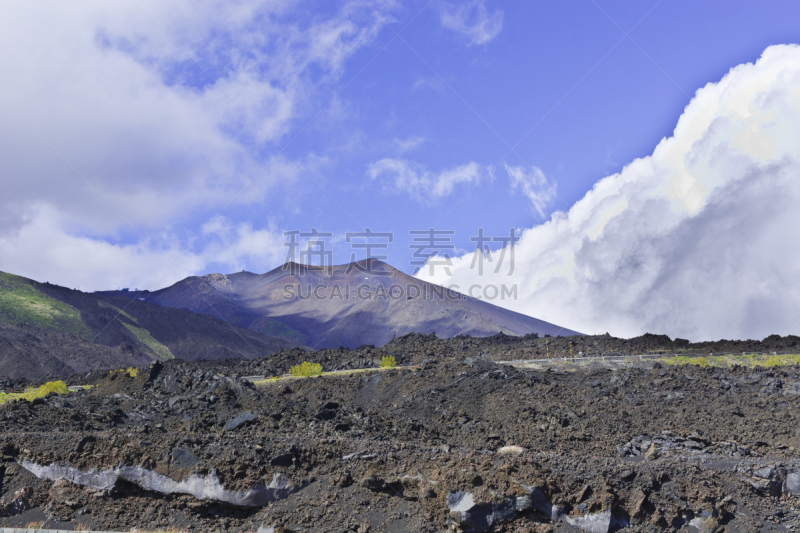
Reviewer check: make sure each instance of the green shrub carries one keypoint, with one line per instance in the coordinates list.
(58, 387)
(131, 371)
(388, 361)
(306, 369)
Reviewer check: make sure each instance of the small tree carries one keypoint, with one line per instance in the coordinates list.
(388, 361)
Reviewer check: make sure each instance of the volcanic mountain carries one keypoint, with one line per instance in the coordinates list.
(363, 303)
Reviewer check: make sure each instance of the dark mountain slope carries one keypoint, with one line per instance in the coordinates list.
(93, 331)
(189, 336)
(33, 354)
(342, 305)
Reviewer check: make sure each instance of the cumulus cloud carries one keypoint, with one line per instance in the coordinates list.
(41, 249)
(472, 20)
(151, 129)
(44, 248)
(697, 240)
(422, 184)
(533, 184)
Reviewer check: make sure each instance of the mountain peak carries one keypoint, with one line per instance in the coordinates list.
(363, 265)
(364, 302)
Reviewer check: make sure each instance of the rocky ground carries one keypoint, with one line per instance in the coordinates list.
(456, 442)
(417, 348)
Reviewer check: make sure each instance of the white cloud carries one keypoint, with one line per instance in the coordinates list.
(533, 184)
(184, 123)
(409, 144)
(237, 246)
(44, 250)
(472, 20)
(41, 249)
(422, 184)
(698, 240)
(433, 83)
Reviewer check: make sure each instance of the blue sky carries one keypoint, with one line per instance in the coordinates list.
(561, 84)
(141, 142)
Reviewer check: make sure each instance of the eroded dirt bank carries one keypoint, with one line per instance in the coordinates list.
(412, 450)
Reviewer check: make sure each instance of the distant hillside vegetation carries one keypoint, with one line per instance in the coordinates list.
(22, 303)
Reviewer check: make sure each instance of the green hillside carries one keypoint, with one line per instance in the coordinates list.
(144, 336)
(22, 303)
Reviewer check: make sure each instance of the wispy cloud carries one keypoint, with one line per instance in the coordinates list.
(473, 20)
(409, 144)
(533, 184)
(434, 84)
(422, 184)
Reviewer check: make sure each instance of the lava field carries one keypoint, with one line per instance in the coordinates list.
(455, 442)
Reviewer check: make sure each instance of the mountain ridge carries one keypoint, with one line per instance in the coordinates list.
(361, 303)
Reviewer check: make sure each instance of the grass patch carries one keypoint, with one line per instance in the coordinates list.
(679, 360)
(781, 360)
(118, 310)
(160, 351)
(306, 369)
(144, 336)
(58, 387)
(728, 360)
(329, 374)
(22, 303)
